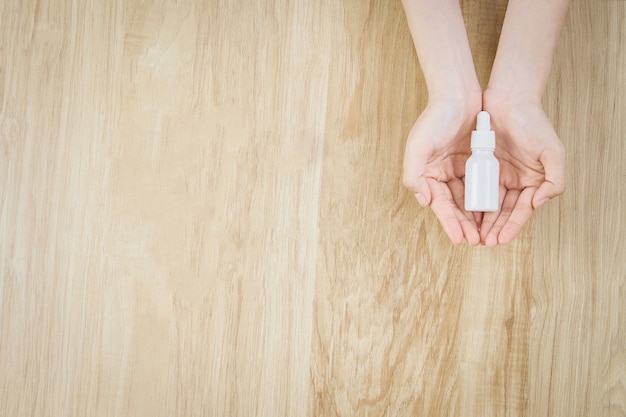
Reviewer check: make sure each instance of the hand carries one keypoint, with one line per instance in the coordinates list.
(434, 162)
(532, 164)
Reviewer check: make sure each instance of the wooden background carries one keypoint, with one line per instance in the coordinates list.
(201, 214)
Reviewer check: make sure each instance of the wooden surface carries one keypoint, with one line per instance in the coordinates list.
(201, 214)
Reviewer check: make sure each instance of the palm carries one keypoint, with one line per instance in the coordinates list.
(519, 150)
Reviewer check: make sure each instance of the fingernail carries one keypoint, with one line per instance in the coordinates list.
(542, 202)
(421, 199)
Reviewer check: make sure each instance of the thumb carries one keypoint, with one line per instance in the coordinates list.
(415, 160)
(553, 160)
(422, 192)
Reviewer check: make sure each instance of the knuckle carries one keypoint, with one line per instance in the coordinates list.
(410, 182)
(559, 188)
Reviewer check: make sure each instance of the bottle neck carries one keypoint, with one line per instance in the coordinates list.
(482, 150)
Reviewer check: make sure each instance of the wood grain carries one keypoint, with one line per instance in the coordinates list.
(201, 214)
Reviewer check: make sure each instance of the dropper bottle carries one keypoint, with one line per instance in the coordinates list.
(482, 170)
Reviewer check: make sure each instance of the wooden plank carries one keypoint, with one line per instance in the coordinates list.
(201, 213)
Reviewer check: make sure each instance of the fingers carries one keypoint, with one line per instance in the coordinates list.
(469, 225)
(522, 212)
(443, 207)
(477, 216)
(553, 160)
(421, 190)
(478, 219)
(455, 222)
(493, 222)
(516, 210)
(489, 218)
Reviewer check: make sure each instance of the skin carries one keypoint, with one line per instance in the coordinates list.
(438, 144)
(531, 155)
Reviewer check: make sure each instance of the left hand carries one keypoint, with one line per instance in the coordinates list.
(532, 164)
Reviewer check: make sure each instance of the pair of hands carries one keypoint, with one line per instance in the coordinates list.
(531, 156)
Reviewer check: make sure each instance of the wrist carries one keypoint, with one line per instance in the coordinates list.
(516, 89)
(504, 97)
(508, 109)
(458, 108)
(455, 81)
(442, 47)
(526, 48)
(471, 95)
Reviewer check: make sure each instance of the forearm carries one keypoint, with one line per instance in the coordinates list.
(442, 46)
(527, 44)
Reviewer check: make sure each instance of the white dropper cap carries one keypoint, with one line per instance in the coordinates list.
(483, 137)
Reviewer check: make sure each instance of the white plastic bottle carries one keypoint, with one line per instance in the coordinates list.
(482, 170)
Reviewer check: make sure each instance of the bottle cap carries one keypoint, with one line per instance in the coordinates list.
(483, 136)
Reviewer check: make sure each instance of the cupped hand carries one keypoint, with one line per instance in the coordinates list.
(532, 164)
(434, 163)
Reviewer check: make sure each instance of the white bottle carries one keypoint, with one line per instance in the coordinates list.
(482, 170)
